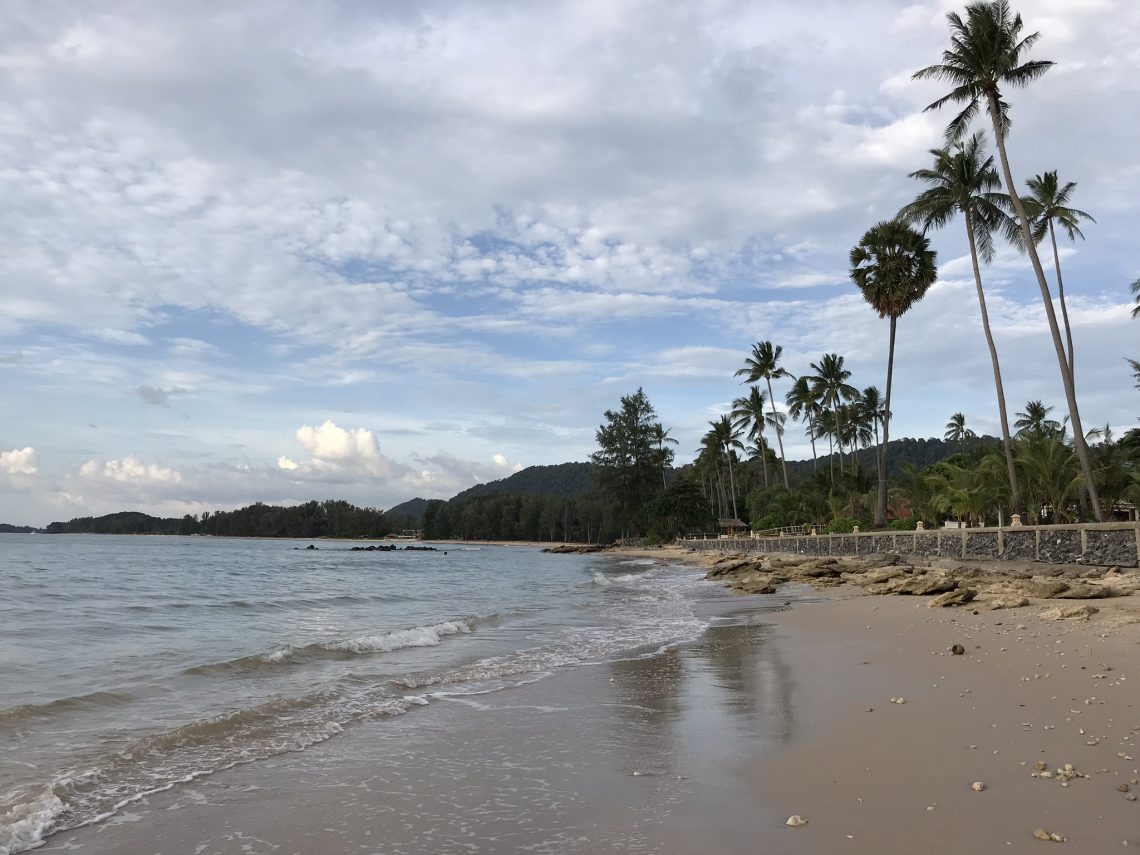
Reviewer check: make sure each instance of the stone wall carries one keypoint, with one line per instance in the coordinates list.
(1102, 544)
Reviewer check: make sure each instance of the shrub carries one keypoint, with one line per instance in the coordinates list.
(841, 525)
(903, 524)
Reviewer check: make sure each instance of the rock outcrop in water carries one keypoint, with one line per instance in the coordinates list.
(946, 581)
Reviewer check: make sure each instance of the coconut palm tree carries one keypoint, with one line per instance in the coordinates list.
(1135, 366)
(830, 388)
(749, 414)
(1035, 421)
(661, 436)
(1135, 288)
(964, 180)
(893, 266)
(987, 53)
(1048, 202)
(727, 438)
(764, 362)
(802, 404)
(956, 431)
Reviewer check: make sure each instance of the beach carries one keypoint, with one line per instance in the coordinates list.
(781, 706)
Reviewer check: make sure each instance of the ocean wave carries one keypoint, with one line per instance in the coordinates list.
(91, 700)
(385, 642)
(24, 825)
(639, 562)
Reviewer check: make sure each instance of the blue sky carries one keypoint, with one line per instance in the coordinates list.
(280, 250)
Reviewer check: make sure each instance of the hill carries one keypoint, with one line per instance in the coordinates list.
(5, 528)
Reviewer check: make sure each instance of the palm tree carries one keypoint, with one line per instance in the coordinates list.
(893, 266)
(962, 181)
(1135, 288)
(830, 388)
(727, 437)
(1048, 202)
(1135, 365)
(986, 54)
(765, 362)
(802, 403)
(956, 431)
(749, 414)
(873, 410)
(1035, 421)
(661, 437)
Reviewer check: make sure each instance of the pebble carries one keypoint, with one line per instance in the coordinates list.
(795, 821)
(977, 786)
(898, 700)
(957, 649)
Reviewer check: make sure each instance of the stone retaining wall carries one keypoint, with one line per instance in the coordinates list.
(1101, 544)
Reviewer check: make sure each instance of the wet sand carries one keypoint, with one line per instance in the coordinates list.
(710, 746)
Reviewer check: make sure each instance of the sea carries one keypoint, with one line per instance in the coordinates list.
(136, 666)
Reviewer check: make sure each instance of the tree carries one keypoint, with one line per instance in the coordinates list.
(893, 266)
(963, 180)
(727, 438)
(764, 362)
(628, 459)
(1135, 366)
(802, 404)
(830, 388)
(662, 438)
(956, 431)
(872, 411)
(1048, 202)
(1135, 288)
(986, 54)
(750, 414)
(1035, 421)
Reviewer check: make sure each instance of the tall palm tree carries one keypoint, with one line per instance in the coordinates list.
(765, 362)
(873, 410)
(1035, 420)
(802, 404)
(1048, 202)
(727, 437)
(956, 431)
(963, 180)
(893, 266)
(662, 438)
(986, 53)
(830, 388)
(749, 414)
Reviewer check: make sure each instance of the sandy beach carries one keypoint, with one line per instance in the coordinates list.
(783, 707)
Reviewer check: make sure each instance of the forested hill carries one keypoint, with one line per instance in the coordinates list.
(5, 528)
(919, 452)
(562, 480)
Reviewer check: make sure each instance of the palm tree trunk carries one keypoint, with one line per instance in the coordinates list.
(1007, 443)
(779, 433)
(811, 437)
(831, 458)
(732, 482)
(1066, 376)
(881, 504)
(1064, 308)
(763, 457)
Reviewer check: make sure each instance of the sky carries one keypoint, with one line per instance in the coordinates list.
(281, 250)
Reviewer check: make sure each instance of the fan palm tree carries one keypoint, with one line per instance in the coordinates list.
(986, 54)
(749, 414)
(893, 266)
(1048, 202)
(764, 362)
(802, 404)
(830, 388)
(1035, 420)
(964, 180)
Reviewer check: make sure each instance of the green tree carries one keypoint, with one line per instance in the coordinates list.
(750, 414)
(893, 266)
(727, 438)
(986, 54)
(628, 460)
(1135, 366)
(663, 439)
(1135, 288)
(764, 362)
(803, 404)
(830, 388)
(1035, 421)
(1048, 202)
(964, 180)
(956, 431)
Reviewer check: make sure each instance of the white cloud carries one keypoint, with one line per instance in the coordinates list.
(286, 463)
(352, 449)
(129, 470)
(18, 461)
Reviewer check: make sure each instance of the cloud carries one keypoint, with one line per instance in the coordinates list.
(355, 449)
(18, 461)
(129, 470)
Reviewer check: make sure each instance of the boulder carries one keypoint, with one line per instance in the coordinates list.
(957, 597)
(1085, 591)
(1045, 589)
(1070, 613)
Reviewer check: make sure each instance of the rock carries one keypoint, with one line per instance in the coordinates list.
(1009, 602)
(959, 597)
(1070, 613)
(977, 786)
(957, 649)
(1045, 589)
(1041, 834)
(1085, 591)
(795, 821)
